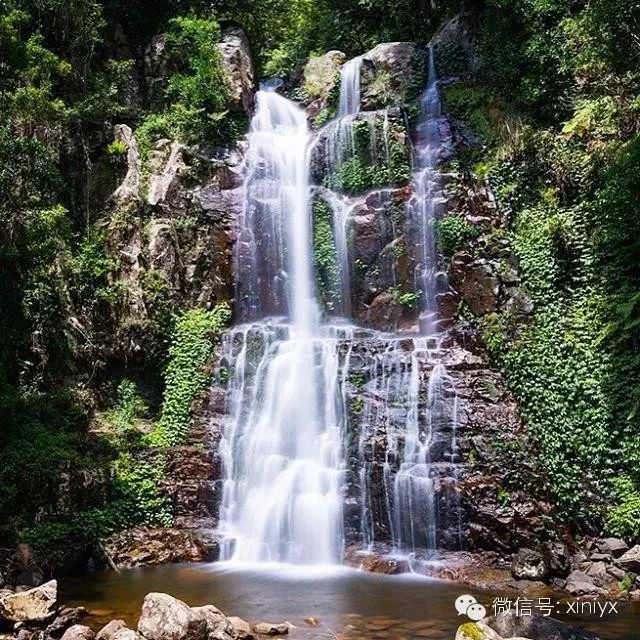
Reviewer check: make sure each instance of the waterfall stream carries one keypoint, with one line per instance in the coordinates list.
(308, 400)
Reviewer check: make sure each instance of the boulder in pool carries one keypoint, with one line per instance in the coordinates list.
(271, 628)
(164, 617)
(241, 627)
(509, 625)
(78, 632)
(33, 605)
(109, 630)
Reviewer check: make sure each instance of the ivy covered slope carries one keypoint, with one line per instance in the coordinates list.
(547, 112)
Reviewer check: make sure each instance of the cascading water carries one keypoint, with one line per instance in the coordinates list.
(281, 450)
(326, 417)
(422, 206)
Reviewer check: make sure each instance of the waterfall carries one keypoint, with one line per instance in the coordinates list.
(421, 208)
(281, 450)
(336, 434)
(349, 103)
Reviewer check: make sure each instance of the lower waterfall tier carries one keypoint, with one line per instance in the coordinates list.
(348, 437)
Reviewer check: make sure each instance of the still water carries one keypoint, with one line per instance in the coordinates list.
(346, 603)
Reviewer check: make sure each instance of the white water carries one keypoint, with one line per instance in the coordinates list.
(422, 206)
(349, 103)
(291, 395)
(281, 449)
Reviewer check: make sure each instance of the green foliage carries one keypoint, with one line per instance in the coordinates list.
(117, 148)
(453, 232)
(623, 520)
(378, 157)
(196, 332)
(196, 92)
(325, 262)
(407, 299)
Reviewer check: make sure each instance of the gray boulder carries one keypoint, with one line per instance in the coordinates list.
(217, 624)
(33, 605)
(78, 632)
(109, 630)
(581, 584)
(166, 618)
(529, 565)
(630, 561)
(613, 546)
(510, 625)
(126, 634)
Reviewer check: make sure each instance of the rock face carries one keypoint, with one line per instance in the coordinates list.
(139, 547)
(131, 187)
(33, 605)
(319, 78)
(387, 71)
(235, 58)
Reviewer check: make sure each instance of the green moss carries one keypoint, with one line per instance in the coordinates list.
(453, 232)
(324, 257)
(367, 165)
(195, 336)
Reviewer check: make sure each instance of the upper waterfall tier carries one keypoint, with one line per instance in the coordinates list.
(273, 254)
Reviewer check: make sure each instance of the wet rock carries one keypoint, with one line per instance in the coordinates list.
(241, 628)
(477, 286)
(580, 584)
(166, 618)
(109, 630)
(237, 67)
(613, 546)
(384, 312)
(529, 565)
(509, 625)
(65, 619)
(33, 605)
(630, 561)
(559, 558)
(78, 632)
(271, 629)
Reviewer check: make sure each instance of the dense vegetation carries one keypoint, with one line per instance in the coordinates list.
(555, 100)
(556, 103)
